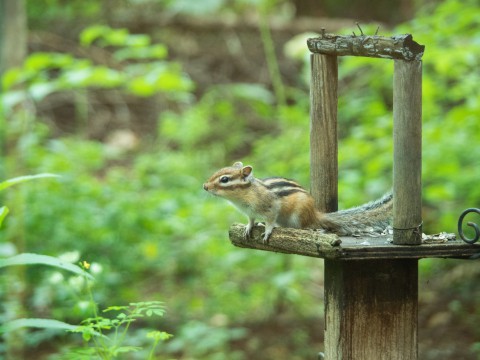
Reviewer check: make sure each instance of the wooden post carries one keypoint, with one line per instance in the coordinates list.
(407, 154)
(371, 309)
(323, 132)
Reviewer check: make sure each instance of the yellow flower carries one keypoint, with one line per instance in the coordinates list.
(85, 265)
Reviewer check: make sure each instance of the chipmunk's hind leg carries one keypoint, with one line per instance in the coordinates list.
(268, 231)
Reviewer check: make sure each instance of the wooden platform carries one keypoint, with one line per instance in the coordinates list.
(330, 246)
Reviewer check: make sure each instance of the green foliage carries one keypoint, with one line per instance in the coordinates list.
(106, 36)
(232, 112)
(10, 182)
(199, 340)
(213, 7)
(108, 335)
(41, 13)
(18, 180)
(36, 323)
(37, 259)
(111, 346)
(3, 214)
(44, 73)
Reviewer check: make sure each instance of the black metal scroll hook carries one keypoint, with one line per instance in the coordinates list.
(475, 226)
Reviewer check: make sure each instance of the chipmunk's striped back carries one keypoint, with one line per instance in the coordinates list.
(281, 186)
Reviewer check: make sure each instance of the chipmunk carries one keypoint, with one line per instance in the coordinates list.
(283, 202)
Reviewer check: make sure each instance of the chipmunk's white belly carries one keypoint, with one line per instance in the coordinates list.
(260, 211)
(291, 221)
(247, 210)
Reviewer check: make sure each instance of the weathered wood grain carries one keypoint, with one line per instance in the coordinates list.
(371, 309)
(323, 132)
(284, 240)
(407, 153)
(396, 47)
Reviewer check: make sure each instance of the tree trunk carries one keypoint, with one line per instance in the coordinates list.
(13, 50)
(13, 36)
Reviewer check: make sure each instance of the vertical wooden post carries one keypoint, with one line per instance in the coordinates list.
(323, 132)
(407, 154)
(371, 309)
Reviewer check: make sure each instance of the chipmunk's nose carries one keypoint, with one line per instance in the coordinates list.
(205, 187)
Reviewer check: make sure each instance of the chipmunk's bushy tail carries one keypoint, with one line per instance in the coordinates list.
(371, 218)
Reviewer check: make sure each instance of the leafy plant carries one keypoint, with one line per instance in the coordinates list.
(7, 183)
(36, 259)
(108, 335)
(133, 64)
(92, 328)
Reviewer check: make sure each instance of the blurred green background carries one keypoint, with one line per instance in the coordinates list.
(134, 103)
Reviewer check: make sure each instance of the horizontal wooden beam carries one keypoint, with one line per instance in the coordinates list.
(401, 47)
(284, 240)
(330, 246)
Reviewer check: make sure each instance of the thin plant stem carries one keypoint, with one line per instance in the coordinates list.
(152, 351)
(99, 344)
(125, 331)
(271, 57)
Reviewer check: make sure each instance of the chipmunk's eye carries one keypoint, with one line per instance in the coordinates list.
(224, 179)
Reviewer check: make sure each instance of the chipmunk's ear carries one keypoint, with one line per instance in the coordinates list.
(247, 171)
(238, 165)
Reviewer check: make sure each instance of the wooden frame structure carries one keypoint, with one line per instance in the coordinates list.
(371, 283)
